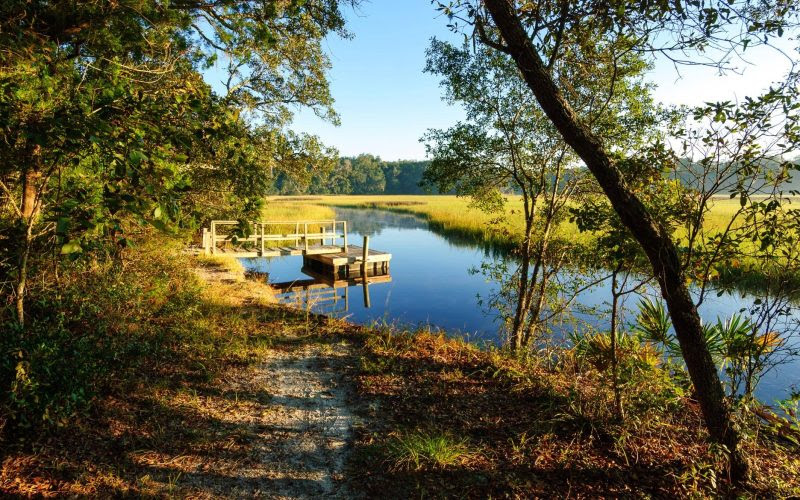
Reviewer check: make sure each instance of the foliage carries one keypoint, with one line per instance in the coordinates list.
(506, 145)
(96, 331)
(365, 174)
(735, 343)
(108, 124)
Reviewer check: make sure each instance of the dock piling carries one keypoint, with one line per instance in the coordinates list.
(365, 258)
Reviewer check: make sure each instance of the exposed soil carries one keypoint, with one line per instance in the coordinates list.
(300, 427)
(302, 423)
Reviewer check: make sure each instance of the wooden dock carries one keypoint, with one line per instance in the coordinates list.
(349, 263)
(275, 238)
(322, 243)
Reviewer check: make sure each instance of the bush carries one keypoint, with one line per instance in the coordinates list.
(96, 330)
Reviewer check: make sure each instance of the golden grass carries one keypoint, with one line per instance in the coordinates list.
(226, 263)
(459, 215)
(284, 209)
(449, 212)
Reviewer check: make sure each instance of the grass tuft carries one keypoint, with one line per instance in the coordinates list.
(227, 263)
(427, 449)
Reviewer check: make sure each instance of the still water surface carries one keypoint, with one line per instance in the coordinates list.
(431, 284)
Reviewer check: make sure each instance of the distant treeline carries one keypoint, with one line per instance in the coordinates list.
(365, 174)
(368, 174)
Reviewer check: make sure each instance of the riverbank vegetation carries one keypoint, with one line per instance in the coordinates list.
(131, 366)
(153, 407)
(453, 419)
(132, 380)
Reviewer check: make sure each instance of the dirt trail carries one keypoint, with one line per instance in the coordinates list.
(301, 421)
(307, 431)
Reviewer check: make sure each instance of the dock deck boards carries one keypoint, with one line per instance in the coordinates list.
(327, 254)
(354, 254)
(280, 251)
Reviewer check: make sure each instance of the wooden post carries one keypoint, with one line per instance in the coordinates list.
(206, 244)
(296, 232)
(344, 231)
(213, 237)
(364, 258)
(262, 239)
(305, 236)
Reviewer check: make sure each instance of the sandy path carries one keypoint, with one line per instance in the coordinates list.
(305, 440)
(300, 423)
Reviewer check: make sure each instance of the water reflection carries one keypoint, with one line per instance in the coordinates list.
(431, 285)
(321, 295)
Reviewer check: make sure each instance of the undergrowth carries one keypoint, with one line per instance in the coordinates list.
(450, 420)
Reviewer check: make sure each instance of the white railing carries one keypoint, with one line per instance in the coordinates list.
(268, 234)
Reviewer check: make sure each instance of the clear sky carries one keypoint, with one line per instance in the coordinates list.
(386, 102)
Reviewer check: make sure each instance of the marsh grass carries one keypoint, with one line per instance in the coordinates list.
(457, 214)
(458, 218)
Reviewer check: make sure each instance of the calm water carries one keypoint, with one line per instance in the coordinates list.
(431, 284)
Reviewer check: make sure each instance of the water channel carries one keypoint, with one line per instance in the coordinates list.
(432, 285)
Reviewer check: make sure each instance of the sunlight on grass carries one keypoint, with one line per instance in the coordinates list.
(419, 450)
(227, 263)
(457, 214)
(286, 209)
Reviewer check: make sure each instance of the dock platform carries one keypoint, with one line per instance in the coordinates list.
(349, 263)
(322, 243)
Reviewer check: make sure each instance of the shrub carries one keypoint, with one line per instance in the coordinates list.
(96, 329)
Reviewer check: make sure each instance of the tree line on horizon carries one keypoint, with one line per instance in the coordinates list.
(368, 174)
(362, 174)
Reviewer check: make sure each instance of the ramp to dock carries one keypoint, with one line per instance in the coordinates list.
(275, 238)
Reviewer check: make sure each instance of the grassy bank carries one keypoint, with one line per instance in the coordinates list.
(455, 214)
(456, 217)
(133, 378)
(169, 410)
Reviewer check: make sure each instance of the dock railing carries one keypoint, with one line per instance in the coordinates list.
(300, 235)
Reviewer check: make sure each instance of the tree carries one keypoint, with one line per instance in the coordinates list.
(106, 118)
(367, 175)
(507, 145)
(537, 35)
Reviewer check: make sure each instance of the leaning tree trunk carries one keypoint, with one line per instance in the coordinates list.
(650, 234)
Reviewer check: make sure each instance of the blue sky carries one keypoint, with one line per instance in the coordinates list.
(384, 99)
(386, 102)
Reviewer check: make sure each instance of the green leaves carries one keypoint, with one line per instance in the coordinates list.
(71, 247)
(653, 324)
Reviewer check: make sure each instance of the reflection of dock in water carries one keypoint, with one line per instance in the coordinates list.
(328, 258)
(325, 296)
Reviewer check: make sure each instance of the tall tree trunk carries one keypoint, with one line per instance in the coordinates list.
(523, 287)
(650, 234)
(518, 324)
(614, 360)
(29, 213)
